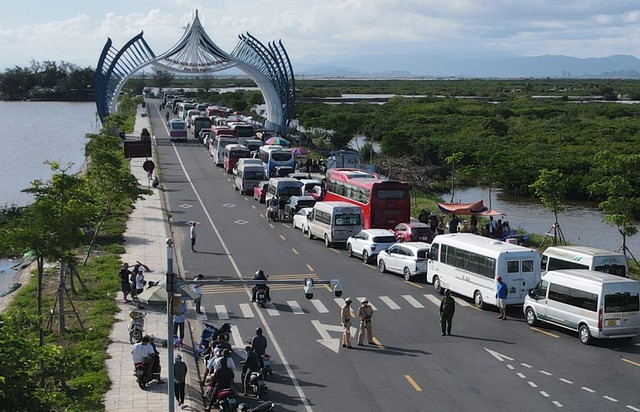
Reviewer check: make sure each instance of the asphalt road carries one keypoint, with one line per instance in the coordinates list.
(487, 364)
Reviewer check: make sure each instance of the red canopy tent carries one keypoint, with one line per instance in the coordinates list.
(475, 208)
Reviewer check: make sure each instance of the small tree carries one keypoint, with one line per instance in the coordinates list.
(453, 160)
(551, 187)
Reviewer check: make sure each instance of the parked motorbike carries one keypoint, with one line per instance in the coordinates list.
(226, 400)
(210, 333)
(257, 385)
(136, 326)
(266, 406)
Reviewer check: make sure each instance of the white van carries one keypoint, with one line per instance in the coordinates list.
(334, 222)
(595, 304)
(283, 186)
(582, 257)
(247, 175)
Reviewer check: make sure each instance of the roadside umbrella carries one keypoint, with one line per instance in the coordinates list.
(277, 140)
(158, 293)
(299, 151)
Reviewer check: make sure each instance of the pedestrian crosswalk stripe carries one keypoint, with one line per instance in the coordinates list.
(433, 299)
(271, 310)
(413, 301)
(462, 302)
(222, 312)
(237, 339)
(387, 300)
(340, 303)
(319, 306)
(246, 310)
(295, 308)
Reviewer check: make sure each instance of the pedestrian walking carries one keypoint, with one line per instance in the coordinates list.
(192, 236)
(125, 286)
(447, 309)
(365, 312)
(502, 290)
(197, 288)
(180, 314)
(345, 318)
(140, 282)
(179, 378)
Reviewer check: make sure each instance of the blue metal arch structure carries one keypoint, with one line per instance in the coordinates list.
(195, 53)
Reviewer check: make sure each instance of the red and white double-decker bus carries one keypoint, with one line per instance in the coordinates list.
(384, 203)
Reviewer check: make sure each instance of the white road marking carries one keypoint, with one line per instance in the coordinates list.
(271, 310)
(413, 301)
(509, 366)
(319, 306)
(370, 304)
(521, 375)
(633, 408)
(246, 310)
(387, 300)
(609, 398)
(532, 384)
(558, 404)
(295, 308)
(543, 393)
(546, 373)
(498, 356)
(462, 302)
(526, 365)
(566, 381)
(237, 339)
(433, 299)
(588, 389)
(222, 312)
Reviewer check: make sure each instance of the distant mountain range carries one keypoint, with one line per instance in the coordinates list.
(497, 66)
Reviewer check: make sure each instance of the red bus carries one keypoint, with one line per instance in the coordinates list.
(233, 153)
(384, 203)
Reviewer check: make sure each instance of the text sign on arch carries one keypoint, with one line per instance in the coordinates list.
(137, 149)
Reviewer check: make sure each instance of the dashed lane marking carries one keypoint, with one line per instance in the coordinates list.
(310, 268)
(526, 365)
(558, 404)
(633, 408)
(587, 389)
(521, 375)
(295, 252)
(271, 225)
(282, 237)
(532, 384)
(544, 332)
(413, 301)
(387, 300)
(566, 381)
(546, 373)
(609, 398)
(630, 362)
(509, 366)
(543, 393)
(413, 383)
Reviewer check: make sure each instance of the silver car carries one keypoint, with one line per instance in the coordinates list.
(407, 259)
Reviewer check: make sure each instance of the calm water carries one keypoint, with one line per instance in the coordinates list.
(34, 132)
(580, 223)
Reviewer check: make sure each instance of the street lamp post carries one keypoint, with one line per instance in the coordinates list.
(169, 281)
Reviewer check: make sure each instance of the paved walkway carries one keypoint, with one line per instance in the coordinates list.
(147, 229)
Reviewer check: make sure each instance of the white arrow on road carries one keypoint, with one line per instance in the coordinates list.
(327, 340)
(498, 356)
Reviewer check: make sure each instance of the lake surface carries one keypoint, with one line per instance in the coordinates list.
(580, 223)
(35, 132)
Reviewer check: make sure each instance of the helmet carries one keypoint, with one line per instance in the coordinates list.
(259, 331)
(447, 292)
(248, 348)
(260, 272)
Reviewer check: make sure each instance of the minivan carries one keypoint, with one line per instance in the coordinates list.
(334, 222)
(583, 257)
(247, 175)
(595, 304)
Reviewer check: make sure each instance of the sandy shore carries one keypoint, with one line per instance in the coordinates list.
(22, 276)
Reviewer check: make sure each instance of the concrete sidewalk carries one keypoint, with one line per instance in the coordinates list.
(147, 229)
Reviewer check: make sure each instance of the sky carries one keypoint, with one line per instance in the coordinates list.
(75, 31)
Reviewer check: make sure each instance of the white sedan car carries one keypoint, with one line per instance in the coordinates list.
(369, 242)
(407, 259)
(300, 219)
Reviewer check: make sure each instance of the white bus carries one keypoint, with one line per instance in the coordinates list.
(217, 145)
(583, 257)
(177, 129)
(469, 265)
(273, 156)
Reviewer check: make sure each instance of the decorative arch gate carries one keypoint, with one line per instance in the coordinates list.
(268, 66)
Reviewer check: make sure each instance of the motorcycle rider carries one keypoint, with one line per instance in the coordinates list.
(223, 378)
(143, 352)
(251, 364)
(259, 275)
(166, 116)
(272, 209)
(259, 345)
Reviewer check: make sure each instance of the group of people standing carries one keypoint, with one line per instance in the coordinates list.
(132, 282)
(365, 314)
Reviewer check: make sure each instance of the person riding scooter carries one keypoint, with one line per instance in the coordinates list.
(272, 209)
(260, 286)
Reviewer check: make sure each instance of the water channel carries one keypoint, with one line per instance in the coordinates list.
(581, 223)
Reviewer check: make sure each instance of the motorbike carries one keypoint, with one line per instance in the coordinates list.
(136, 326)
(210, 333)
(261, 295)
(266, 365)
(257, 385)
(272, 213)
(226, 400)
(154, 373)
(266, 406)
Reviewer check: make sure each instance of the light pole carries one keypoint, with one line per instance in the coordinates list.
(169, 282)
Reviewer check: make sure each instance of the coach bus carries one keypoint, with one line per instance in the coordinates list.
(384, 203)
(273, 156)
(469, 265)
(217, 145)
(233, 153)
(178, 129)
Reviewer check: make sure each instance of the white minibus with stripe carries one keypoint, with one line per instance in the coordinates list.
(583, 257)
(469, 265)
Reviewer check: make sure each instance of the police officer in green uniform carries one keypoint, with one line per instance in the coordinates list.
(447, 308)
